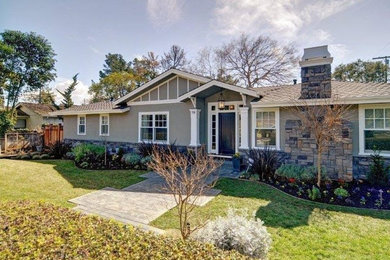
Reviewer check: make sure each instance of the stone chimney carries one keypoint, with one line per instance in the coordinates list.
(316, 73)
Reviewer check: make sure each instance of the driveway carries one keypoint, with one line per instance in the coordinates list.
(138, 204)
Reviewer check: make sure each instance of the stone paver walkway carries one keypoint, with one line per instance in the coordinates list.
(138, 204)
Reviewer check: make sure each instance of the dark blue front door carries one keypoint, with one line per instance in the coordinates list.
(227, 133)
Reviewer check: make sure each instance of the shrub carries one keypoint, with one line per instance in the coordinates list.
(6, 122)
(378, 174)
(145, 161)
(84, 165)
(341, 193)
(88, 152)
(132, 160)
(32, 230)
(59, 149)
(25, 157)
(36, 157)
(314, 193)
(300, 173)
(265, 162)
(236, 231)
(44, 157)
(145, 149)
(69, 156)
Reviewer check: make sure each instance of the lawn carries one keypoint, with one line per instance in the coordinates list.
(300, 229)
(57, 181)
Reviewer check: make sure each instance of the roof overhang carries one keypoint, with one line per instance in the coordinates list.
(314, 102)
(215, 83)
(157, 80)
(90, 112)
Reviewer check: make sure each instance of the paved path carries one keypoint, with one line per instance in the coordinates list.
(138, 204)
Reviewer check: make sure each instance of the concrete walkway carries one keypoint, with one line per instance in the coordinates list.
(138, 204)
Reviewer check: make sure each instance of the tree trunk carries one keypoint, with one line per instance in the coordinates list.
(319, 159)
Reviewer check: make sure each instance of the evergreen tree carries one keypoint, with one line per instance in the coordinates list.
(67, 94)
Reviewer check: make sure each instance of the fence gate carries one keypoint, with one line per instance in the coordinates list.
(52, 134)
(22, 141)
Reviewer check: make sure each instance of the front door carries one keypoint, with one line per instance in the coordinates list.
(227, 133)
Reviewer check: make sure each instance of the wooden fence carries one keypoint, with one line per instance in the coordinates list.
(15, 142)
(52, 134)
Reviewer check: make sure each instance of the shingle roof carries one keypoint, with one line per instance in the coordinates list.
(104, 107)
(41, 109)
(340, 90)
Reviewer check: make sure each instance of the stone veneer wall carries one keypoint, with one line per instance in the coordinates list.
(316, 82)
(301, 149)
(361, 165)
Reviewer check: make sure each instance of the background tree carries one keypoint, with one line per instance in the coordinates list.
(361, 71)
(67, 94)
(113, 86)
(175, 58)
(324, 121)
(114, 63)
(44, 96)
(28, 64)
(259, 61)
(7, 122)
(147, 67)
(187, 178)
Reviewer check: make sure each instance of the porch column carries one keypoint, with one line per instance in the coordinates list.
(195, 116)
(244, 128)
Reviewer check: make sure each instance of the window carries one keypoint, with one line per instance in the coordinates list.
(20, 124)
(375, 132)
(154, 127)
(81, 125)
(266, 128)
(104, 125)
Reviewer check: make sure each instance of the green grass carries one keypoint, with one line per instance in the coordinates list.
(300, 229)
(57, 181)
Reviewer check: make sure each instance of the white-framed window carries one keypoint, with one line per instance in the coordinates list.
(81, 124)
(153, 127)
(374, 129)
(104, 125)
(265, 128)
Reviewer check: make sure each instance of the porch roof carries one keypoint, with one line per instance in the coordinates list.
(215, 86)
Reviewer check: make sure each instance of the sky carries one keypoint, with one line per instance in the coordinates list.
(82, 32)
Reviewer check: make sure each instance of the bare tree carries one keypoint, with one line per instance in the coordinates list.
(323, 119)
(187, 178)
(175, 58)
(259, 61)
(210, 63)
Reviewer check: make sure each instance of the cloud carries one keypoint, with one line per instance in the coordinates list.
(164, 12)
(280, 17)
(338, 52)
(94, 50)
(79, 96)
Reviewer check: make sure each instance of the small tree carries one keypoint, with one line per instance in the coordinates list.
(323, 120)
(187, 178)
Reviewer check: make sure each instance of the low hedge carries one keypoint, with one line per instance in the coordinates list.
(39, 230)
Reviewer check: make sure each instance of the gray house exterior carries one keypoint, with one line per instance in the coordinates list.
(191, 111)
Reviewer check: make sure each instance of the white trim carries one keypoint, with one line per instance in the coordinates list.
(221, 85)
(346, 101)
(195, 116)
(140, 114)
(150, 90)
(244, 112)
(209, 124)
(100, 125)
(362, 107)
(78, 124)
(277, 126)
(87, 112)
(154, 102)
(160, 77)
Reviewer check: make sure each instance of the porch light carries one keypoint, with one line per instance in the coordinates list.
(221, 101)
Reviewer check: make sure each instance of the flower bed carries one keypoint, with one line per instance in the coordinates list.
(355, 194)
(32, 230)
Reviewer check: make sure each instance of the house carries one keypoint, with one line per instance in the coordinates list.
(32, 116)
(192, 110)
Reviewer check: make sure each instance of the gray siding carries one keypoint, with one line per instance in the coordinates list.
(124, 127)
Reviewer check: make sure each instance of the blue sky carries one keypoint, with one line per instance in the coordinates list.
(82, 32)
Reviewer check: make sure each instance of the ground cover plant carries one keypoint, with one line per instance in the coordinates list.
(57, 181)
(43, 231)
(300, 229)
